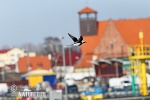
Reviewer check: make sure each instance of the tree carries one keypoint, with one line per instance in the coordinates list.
(53, 46)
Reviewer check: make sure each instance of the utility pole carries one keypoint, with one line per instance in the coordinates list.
(64, 65)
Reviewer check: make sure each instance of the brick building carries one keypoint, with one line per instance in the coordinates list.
(109, 38)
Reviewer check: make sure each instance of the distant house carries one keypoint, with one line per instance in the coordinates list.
(26, 64)
(10, 57)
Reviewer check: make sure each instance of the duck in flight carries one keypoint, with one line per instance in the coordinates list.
(77, 42)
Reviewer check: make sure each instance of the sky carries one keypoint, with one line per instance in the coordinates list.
(30, 21)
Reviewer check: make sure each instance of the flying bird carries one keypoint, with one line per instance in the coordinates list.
(77, 42)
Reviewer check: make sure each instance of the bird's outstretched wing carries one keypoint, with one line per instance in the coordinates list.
(80, 39)
(73, 38)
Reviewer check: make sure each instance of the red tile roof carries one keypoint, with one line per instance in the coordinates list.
(4, 50)
(34, 62)
(87, 10)
(130, 29)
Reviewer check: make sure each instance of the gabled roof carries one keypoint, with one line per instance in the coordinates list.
(4, 51)
(87, 10)
(130, 29)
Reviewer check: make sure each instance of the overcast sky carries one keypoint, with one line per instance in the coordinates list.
(30, 21)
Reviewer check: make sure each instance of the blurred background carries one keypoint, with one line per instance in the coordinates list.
(114, 63)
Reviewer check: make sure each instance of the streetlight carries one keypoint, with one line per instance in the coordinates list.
(64, 65)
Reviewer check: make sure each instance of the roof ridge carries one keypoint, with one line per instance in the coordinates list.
(131, 19)
(4, 50)
(123, 19)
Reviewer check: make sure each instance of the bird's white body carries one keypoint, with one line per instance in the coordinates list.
(76, 44)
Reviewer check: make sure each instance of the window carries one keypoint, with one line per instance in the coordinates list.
(92, 15)
(83, 16)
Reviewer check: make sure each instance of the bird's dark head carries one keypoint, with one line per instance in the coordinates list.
(84, 42)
